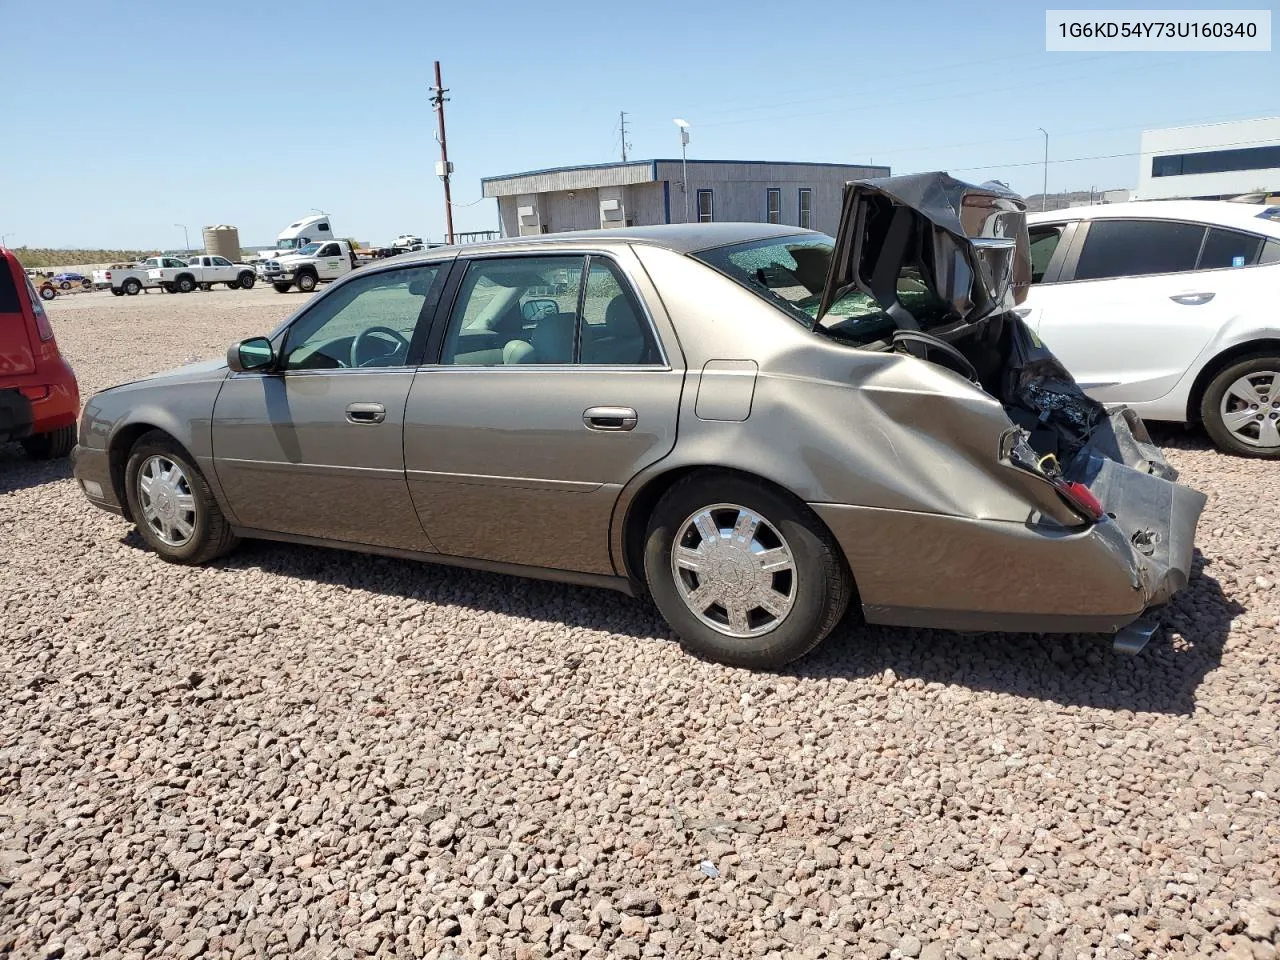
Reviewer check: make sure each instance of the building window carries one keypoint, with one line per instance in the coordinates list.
(806, 208)
(1216, 161)
(706, 209)
(773, 205)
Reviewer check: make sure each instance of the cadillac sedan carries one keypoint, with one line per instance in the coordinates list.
(757, 426)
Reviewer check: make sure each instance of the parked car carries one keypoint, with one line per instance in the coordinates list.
(134, 278)
(313, 264)
(754, 424)
(65, 281)
(39, 398)
(202, 271)
(1167, 306)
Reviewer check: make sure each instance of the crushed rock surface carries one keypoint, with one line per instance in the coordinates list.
(311, 753)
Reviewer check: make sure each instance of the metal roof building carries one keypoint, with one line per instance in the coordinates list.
(648, 192)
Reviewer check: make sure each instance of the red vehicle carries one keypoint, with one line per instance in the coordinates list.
(39, 397)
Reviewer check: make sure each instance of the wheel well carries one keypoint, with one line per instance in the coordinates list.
(118, 457)
(306, 268)
(1254, 348)
(642, 504)
(185, 276)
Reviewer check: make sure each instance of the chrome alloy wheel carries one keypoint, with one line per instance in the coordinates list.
(168, 506)
(734, 571)
(1250, 409)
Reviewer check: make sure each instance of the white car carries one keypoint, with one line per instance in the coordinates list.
(1169, 306)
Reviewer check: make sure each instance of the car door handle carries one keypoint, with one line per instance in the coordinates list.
(366, 413)
(1192, 299)
(610, 418)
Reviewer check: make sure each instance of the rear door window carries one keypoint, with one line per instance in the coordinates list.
(1229, 248)
(1136, 248)
(1044, 242)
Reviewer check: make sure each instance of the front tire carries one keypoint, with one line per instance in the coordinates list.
(281, 287)
(65, 284)
(53, 445)
(132, 287)
(171, 503)
(306, 282)
(744, 574)
(247, 281)
(1241, 408)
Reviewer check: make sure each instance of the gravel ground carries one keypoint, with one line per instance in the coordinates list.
(312, 753)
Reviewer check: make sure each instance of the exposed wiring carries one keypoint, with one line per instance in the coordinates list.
(455, 203)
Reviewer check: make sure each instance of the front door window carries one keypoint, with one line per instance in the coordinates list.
(367, 322)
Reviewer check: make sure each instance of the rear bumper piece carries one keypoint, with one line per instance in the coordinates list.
(92, 469)
(929, 570)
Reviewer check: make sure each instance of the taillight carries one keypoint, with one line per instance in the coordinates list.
(1080, 498)
(107, 274)
(43, 327)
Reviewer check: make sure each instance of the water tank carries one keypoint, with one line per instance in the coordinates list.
(222, 241)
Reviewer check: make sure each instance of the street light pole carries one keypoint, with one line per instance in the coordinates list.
(186, 240)
(4, 237)
(1044, 190)
(684, 165)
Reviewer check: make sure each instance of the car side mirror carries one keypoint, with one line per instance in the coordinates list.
(256, 353)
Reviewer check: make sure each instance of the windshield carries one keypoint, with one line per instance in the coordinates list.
(790, 272)
(286, 244)
(309, 249)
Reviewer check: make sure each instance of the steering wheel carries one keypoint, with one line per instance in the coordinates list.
(361, 339)
(918, 344)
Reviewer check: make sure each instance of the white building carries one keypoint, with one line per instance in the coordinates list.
(646, 192)
(1210, 162)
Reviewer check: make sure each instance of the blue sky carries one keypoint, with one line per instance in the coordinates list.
(124, 119)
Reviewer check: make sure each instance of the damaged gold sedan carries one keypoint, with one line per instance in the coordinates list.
(757, 426)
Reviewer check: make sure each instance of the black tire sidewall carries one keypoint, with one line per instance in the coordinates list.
(205, 504)
(246, 281)
(802, 630)
(185, 285)
(1223, 438)
(306, 282)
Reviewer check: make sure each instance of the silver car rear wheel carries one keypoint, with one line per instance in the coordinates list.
(734, 570)
(168, 505)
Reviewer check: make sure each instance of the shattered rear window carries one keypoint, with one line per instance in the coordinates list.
(791, 273)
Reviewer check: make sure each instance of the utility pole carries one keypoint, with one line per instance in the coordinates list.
(444, 167)
(1044, 191)
(622, 123)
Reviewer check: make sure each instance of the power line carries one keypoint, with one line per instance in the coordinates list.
(1107, 156)
(862, 93)
(966, 92)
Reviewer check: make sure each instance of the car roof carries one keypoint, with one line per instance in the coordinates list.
(1241, 216)
(679, 237)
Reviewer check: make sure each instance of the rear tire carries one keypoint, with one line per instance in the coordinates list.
(184, 284)
(169, 288)
(233, 284)
(281, 287)
(53, 445)
(117, 292)
(132, 287)
(47, 293)
(247, 280)
(306, 282)
(1235, 400)
(806, 580)
(211, 535)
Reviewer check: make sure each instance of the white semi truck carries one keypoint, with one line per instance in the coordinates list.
(314, 229)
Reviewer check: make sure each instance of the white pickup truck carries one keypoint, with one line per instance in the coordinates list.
(203, 272)
(133, 279)
(312, 264)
